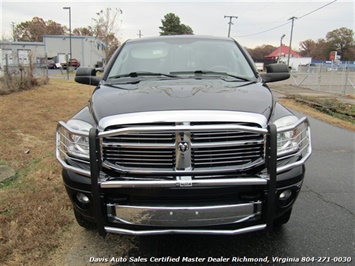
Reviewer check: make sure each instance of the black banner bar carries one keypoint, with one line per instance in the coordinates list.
(95, 168)
(271, 159)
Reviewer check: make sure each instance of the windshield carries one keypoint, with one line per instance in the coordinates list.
(180, 56)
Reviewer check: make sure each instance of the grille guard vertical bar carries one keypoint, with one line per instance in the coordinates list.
(95, 168)
(271, 164)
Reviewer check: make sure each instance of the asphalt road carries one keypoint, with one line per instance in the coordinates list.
(321, 227)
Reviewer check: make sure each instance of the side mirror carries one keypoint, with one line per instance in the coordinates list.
(86, 75)
(275, 72)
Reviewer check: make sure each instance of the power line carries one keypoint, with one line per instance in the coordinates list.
(264, 30)
(293, 20)
(261, 32)
(317, 9)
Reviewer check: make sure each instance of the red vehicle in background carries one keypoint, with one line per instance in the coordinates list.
(72, 62)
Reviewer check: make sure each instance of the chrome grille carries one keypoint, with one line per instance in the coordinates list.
(138, 158)
(141, 138)
(223, 136)
(225, 156)
(215, 149)
(158, 150)
(140, 150)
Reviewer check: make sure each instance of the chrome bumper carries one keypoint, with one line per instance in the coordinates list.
(187, 231)
(197, 216)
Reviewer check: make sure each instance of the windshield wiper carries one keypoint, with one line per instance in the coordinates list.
(208, 72)
(142, 73)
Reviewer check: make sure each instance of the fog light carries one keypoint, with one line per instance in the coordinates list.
(82, 198)
(285, 195)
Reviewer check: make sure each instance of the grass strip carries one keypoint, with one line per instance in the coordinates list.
(332, 107)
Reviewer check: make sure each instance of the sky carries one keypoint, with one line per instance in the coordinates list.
(257, 23)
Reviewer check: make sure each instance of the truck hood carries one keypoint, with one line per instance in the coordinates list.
(191, 94)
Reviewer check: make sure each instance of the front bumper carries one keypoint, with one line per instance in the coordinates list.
(229, 209)
(187, 216)
(231, 205)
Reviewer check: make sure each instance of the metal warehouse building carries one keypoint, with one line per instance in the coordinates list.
(87, 49)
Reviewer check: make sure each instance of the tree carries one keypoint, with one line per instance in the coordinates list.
(318, 50)
(106, 28)
(259, 52)
(85, 31)
(33, 31)
(171, 25)
(54, 28)
(307, 47)
(342, 40)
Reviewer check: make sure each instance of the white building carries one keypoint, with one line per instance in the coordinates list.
(15, 53)
(88, 50)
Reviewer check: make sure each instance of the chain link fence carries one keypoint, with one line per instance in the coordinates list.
(38, 67)
(325, 77)
(17, 77)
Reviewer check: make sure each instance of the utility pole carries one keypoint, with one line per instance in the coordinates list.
(68, 58)
(289, 48)
(140, 34)
(70, 50)
(230, 23)
(13, 31)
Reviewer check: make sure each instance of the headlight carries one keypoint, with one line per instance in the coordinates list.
(78, 145)
(288, 141)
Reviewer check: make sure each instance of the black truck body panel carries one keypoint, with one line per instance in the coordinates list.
(195, 151)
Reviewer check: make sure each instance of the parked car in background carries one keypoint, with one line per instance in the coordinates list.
(52, 64)
(72, 62)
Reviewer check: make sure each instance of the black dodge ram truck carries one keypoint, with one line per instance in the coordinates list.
(182, 135)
